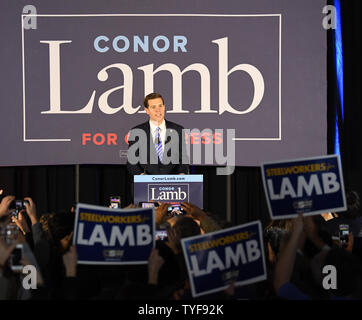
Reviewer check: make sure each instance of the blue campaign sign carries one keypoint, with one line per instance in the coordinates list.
(310, 186)
(217, 259)
(113, 236)
(169, 188)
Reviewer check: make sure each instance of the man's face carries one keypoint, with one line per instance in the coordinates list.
(156, 110)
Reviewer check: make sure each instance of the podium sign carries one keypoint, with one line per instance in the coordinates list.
(169, 188)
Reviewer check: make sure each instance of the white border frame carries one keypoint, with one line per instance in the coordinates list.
(25, 139)
(311, 213)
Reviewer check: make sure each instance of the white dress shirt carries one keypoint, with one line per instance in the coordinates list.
(162, 126)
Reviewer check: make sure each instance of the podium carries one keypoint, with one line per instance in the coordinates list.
(169, 188)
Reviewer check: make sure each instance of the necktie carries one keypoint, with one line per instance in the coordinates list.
(158, 143)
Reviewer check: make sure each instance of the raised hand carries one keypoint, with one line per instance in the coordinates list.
(20, 221)
(70, 259)
(5, 204)
(31, 210)
(155, 263)
(193, 210)
(161, 213)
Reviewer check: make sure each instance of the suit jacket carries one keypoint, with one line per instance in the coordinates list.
(144, 151)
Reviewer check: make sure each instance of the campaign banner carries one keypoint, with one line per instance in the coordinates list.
(105, 236)
(217, 259)
(310, 186)
(169, 188)
(233, 74)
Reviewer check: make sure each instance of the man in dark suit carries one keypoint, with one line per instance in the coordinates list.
(157, 146)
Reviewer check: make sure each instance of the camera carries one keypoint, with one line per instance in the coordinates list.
(343, 234)
(115, 202)
(16, 206)
(175, 210)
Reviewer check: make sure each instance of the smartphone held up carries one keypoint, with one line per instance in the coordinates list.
(343, 234)
(115, 202)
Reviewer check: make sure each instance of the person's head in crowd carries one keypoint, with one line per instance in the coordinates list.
(172, 221)
(186, 227)
(174, 269)
(353, 208)
(219, 219)
(180, 227)
(207, 221)
(61, 227)
(285, 224)
(353, 205)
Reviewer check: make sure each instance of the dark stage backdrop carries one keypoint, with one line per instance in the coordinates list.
(53, 188)
(350, 130)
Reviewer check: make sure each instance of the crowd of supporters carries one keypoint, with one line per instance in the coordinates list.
(296, 252)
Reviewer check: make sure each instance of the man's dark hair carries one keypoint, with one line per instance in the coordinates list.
(151, 96)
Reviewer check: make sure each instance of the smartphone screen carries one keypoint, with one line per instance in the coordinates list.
(161, 235)
(16, 257)
(175, 210)
(343, 234)
(115, 202)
